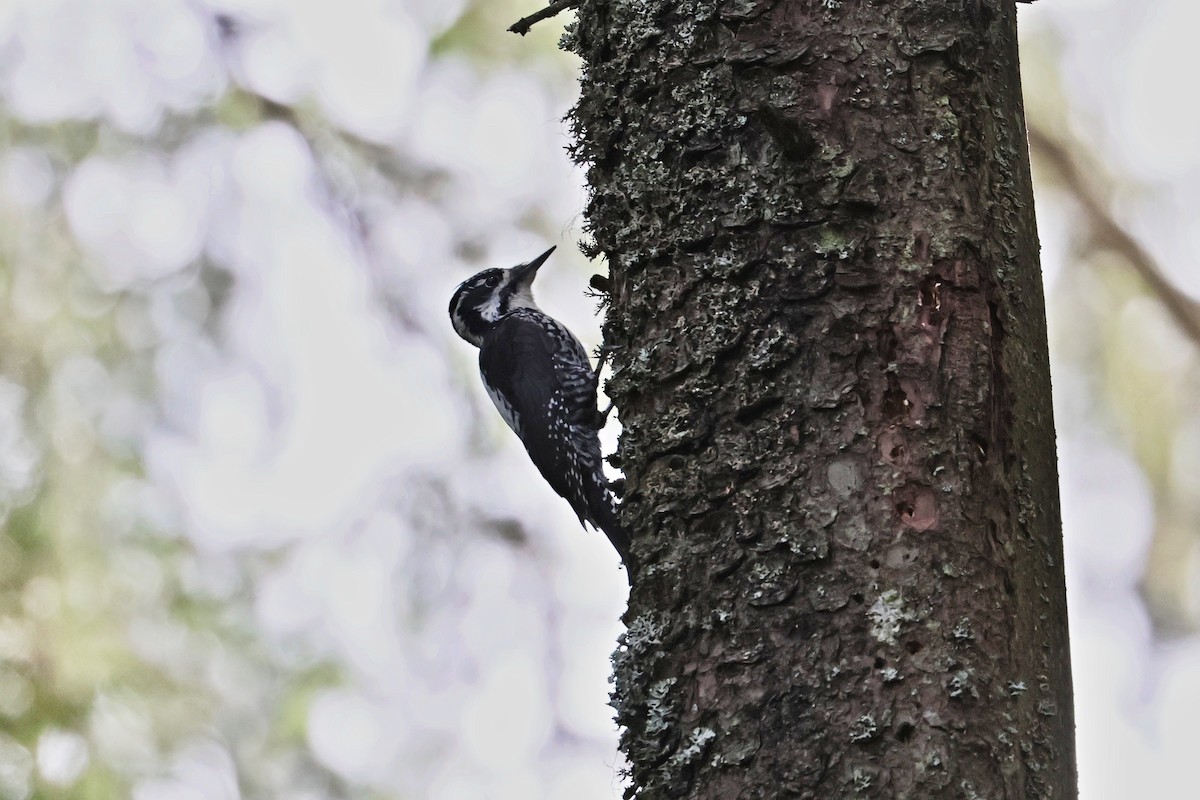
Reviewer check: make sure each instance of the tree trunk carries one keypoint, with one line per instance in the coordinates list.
(830, 364)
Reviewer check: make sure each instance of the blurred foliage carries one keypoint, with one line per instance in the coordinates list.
(134, 656)
(111, 658)
(1126, 330)
(108, 658)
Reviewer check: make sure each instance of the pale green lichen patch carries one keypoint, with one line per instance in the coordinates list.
(864, 729)
(887, 615)
(658, 716)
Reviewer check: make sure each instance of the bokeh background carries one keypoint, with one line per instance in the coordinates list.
(262, 534)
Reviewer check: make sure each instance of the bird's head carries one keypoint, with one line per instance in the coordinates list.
(486, 296)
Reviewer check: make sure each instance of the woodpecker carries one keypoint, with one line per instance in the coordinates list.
(541, 381)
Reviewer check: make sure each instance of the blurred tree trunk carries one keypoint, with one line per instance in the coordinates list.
(831, 369)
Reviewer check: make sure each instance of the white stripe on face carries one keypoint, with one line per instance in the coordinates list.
(490, 310)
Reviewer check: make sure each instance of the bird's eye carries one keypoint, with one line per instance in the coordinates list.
(492, 282)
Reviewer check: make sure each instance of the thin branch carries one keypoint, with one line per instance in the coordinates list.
(1091, 196)
(523, 25)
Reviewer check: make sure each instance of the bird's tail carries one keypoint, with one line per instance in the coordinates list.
(602, 512)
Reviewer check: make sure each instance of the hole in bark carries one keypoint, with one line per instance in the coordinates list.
(895, 402)
(921, 246)
(980, 446)
(1008, 586)
(905, 731)
(874, 563)
(788, 134)
(879, 662)
(904, 509)
(912, 646)
(676, 462)
(756, 409)
(930, 298)
(857, 597)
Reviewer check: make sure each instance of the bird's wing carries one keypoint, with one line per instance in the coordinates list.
(539, 377)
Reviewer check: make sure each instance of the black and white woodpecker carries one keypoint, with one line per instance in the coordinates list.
(541, 381)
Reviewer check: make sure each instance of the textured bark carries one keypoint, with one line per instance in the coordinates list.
(830, 364)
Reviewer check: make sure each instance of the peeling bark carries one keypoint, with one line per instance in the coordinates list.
(829, 356)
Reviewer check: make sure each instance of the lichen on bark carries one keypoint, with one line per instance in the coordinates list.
(829, 357)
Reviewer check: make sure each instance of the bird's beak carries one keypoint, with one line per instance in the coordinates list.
(525, 273)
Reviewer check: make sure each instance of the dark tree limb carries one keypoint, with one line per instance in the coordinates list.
(1092, 197)
(523, 25)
